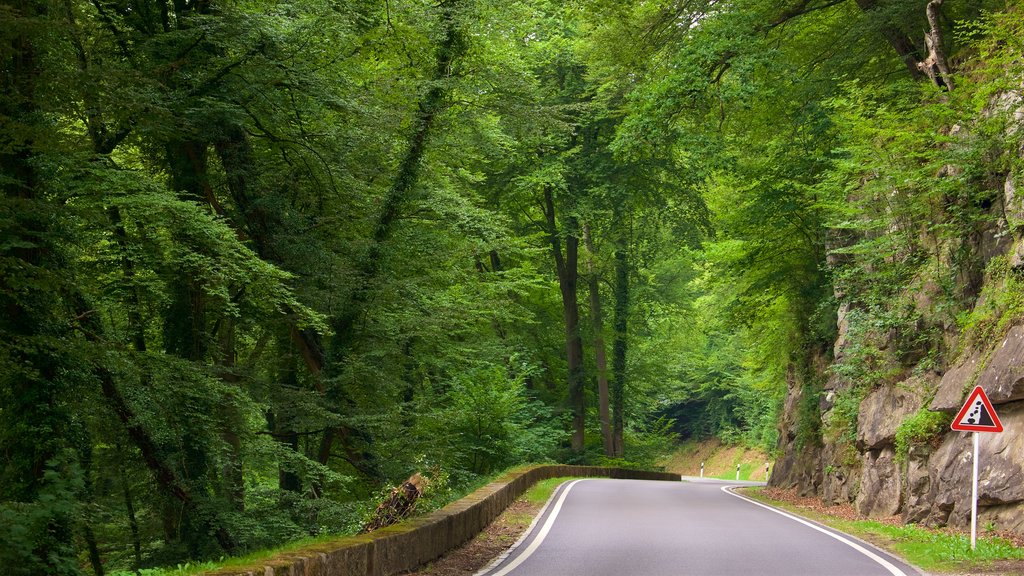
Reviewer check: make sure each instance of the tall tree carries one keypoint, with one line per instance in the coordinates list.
(600, 354)
(567, 270)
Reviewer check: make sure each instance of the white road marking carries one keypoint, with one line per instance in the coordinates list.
(885, 563)
(536, 541)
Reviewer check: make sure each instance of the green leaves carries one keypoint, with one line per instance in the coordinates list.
(920, 427)
(45, 523)
(265, 259)
(486, 421)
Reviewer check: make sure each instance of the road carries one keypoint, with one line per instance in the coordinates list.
(640, 528)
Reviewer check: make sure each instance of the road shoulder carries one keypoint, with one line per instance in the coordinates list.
(499, 537)
(926, 546)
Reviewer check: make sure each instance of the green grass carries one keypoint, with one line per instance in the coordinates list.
(746, 468)
(192, 568)
(930, 549)
(542, 491)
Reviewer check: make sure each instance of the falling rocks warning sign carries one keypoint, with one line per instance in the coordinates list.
(977, 415)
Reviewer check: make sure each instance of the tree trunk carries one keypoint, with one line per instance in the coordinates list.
(282, 430)
(566, 267)
(620, 344)
(136, 327)
(599, 347)
(935, 66)
(287, 479)
(94, 550)
(188, 335)
(185, 333)
(129, 505)
(85, 453)
(152, 454)
(232, 477)
(36, 423)
(909, 53)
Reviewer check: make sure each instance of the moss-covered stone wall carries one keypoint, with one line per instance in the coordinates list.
(417, 541)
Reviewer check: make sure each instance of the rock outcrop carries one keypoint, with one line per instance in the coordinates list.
(1000, 478)
(950, 395)
(906, 379)
(799, 467)
(930, 482)
(884, 409)
(882, 492)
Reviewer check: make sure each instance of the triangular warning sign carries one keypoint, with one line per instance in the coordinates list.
(977, 414)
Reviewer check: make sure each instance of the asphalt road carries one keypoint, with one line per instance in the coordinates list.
(641, 528)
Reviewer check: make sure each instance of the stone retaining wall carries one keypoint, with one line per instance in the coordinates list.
(415, 542)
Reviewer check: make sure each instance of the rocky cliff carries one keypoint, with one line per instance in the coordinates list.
(868, 421)
(930, 482)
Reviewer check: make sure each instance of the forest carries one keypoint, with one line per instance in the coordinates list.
(262, 260)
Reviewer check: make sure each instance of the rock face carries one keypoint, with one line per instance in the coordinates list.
(919, 486)
(841, 477)
(883, 410)
(881, 488)
(950, 396)
(931, 482)
(800, 464)
(1003, 376)
(881, 485)
(943, 496)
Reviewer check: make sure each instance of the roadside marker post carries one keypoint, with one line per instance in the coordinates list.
(977, 415)
(737, 471)
(701, 469)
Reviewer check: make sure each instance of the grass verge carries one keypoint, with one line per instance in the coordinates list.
(747, 470)
(720, 460)
(934, 550)
(542, 491)
(198, 567)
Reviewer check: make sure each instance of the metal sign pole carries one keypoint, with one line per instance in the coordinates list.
(974, 496)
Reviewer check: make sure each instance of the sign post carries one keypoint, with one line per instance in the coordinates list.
(974, 494)
(977, 415)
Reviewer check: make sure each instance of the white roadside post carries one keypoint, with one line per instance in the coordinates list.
(737, 471)
(977, 415)
(701, 469)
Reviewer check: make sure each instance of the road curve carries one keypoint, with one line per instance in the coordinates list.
(642, 528)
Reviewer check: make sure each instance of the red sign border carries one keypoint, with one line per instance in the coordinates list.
(997, 425)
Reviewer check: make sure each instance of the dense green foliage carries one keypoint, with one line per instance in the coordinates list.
(919, 428)
(258, 262)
